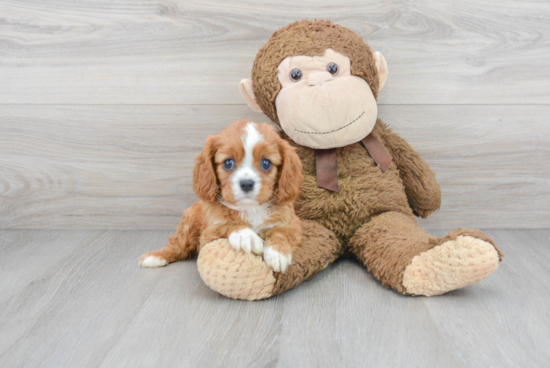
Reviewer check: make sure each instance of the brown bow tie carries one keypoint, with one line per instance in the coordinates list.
(327, 171)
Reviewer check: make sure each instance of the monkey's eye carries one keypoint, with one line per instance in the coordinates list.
(332, 68)
(266, 164)
(229, 164)
(295, 74)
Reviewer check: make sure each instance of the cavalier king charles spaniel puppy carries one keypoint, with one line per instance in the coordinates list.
(247, 179)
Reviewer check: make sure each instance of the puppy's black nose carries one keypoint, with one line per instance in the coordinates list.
(247, 185)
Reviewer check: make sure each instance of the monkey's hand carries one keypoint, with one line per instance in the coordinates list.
(423, 191)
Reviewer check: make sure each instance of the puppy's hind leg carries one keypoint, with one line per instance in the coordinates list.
(181, 245)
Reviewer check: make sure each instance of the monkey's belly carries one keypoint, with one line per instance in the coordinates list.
(364, 192)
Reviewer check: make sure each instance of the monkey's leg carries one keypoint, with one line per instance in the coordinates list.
(406, 258)
(240, 275)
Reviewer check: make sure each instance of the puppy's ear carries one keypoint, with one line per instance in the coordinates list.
(205, 181)
(290, 178)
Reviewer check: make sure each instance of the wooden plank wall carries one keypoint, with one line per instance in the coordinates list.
(104, 104)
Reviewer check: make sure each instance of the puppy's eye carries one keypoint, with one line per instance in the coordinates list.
(266, 164)
(295, 74)
(332, 68)
(229, 164)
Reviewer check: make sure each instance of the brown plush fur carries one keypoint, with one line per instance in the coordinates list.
(373, 214)
(385, 202)
(308, 38)
(319, 248)
(365, 190)
(398, 239)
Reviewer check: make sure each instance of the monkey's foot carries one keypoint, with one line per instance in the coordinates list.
(452, 265)
(235, 274)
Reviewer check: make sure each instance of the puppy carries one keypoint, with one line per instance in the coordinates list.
(247, 179)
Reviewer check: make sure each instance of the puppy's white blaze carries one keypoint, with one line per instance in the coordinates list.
(247, 171)
(253, 136)
(255, 214)
(153, 261)
(277, 261)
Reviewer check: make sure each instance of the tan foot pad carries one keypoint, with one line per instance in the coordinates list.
(452, 265)
(235, 274)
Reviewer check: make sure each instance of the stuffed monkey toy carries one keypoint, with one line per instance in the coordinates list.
(363, 183)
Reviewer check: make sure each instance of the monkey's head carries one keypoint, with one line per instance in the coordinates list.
(319, 82)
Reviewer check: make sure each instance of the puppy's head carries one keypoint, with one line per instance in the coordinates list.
(247, 164)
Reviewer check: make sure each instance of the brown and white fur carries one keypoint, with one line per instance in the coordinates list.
(250, 205)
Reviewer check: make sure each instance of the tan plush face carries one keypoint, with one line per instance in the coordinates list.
(321, 105)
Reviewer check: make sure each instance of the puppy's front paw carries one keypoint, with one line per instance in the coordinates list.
(247, 240)
(278, 261)
(150, 260)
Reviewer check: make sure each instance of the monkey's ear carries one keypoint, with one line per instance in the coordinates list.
(247, 91)
(382, 69)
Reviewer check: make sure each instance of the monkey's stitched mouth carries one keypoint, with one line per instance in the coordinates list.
(335, 130)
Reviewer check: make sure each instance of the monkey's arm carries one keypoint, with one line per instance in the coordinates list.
(421, 187)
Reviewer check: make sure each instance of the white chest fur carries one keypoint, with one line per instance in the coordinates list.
(255, 215)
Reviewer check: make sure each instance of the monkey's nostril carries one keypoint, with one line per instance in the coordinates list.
(247, 185)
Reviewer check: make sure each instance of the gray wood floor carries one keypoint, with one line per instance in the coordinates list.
(77, 298)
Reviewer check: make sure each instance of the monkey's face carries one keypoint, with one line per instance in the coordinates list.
(321, 105)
